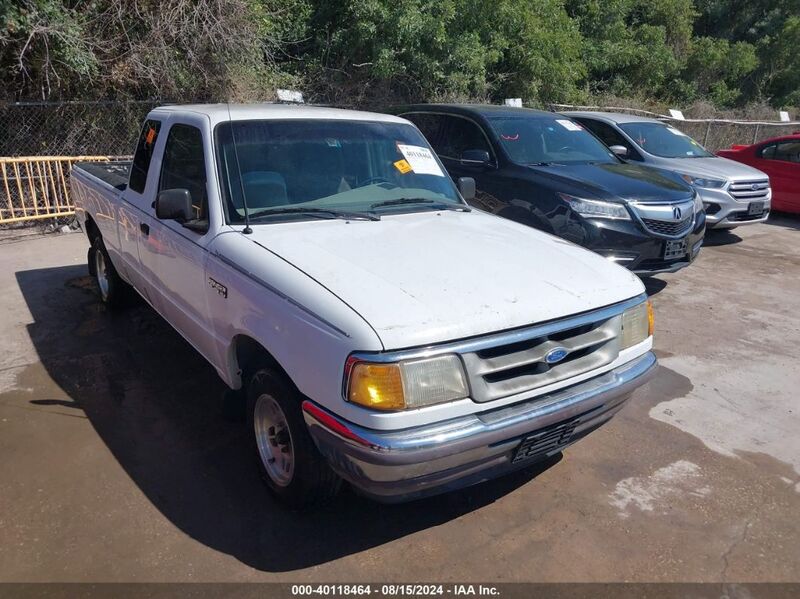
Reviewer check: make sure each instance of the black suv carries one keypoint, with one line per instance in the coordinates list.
(545, 170)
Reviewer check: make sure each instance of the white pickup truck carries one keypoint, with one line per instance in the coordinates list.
(382, 331)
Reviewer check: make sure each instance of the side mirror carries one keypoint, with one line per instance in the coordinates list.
(174, 204)
(620, 151)
(475, 158)
(466, 186)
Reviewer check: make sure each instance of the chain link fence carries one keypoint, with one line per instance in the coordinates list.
(42, 139)
(713, 134)
(71, 128)
(110, 128)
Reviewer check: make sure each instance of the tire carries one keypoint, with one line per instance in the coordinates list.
(109, 284)
(289, 463)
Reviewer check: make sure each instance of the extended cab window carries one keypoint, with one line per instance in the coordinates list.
(459, 135)
(143, 156)
(184, 167)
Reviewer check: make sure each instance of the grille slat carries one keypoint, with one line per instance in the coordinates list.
(672, 229)
(515, 368)
(537, 353)
(744, 189)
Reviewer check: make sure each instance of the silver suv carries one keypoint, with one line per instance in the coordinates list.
(733, 194)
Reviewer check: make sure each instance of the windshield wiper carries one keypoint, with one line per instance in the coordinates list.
(319, 212)
(436, 205)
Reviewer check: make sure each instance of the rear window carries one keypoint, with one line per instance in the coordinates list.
(143, 156)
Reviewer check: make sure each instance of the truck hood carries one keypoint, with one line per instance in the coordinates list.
(430, 277)
(715, 167)
(616, 181)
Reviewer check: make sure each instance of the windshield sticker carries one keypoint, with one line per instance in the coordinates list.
(674, 131)
(403, 166)
(421, 160)
(333, 143)
(569, 125)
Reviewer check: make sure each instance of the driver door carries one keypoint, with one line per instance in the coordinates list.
(178, 250)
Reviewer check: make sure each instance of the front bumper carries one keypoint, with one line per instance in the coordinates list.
(628, 244)
(723, 211)
(394, 466)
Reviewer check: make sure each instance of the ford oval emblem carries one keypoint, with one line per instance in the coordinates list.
(554, 356)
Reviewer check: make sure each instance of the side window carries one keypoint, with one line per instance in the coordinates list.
(768, 152)
(143, 156)
(608, 135)
(184, 167)
(429, 124)
(461, 134)
(788, 151)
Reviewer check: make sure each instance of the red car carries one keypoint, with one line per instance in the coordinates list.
(780, 159)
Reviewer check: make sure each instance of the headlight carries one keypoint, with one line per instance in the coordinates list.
(637, 324)
(596, 208)
(703, 181)
(698, 203)
(408, 384)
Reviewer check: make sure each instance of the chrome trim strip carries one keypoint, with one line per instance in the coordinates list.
(492, 340)
(279, 293)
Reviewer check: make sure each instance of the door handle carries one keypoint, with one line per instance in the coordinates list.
(144, 228)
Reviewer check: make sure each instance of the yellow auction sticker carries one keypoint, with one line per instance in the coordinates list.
(403, 166)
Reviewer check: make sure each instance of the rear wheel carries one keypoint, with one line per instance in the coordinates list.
(289, 462)
(109, 284)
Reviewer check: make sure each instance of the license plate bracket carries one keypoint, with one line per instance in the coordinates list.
(544, 443)
(755, 208)
(675, 248)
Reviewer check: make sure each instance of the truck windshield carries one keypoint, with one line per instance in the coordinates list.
(329, 167)
(664, 141)
(544, 140)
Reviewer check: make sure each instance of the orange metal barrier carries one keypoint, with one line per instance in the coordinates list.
(36, 187)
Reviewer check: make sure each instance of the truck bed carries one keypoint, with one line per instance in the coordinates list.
(114, 173)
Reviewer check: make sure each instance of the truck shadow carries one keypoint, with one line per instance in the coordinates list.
(157, 406)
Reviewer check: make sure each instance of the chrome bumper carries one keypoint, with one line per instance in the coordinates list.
(394, 466)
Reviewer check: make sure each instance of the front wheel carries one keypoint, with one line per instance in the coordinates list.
(289, 462)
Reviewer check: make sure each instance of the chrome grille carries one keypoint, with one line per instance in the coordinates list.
(749, 190)
(507, 369)
(666, 219)
(673, 229)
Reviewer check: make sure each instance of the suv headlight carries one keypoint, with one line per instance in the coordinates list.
(638, 324)
(698, 203)
(703, 181)
(596, 208)
(407, 384)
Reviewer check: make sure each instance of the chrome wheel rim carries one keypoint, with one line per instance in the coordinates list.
(101, 271)
(274, 440)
